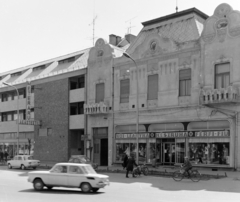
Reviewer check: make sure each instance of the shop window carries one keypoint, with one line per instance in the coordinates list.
(152, 87)
(222, 75)
(185, 82)
(124, 90)
(206, 152)
(99, 92)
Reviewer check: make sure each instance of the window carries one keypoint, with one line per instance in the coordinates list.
(124, 91)
(77, 82)
(4, 97)
(77, 108)
(99, 92)
(153, 87)
(222, 75)
(185, 82)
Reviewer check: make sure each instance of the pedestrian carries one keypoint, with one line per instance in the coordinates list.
(124, 163)
(6, 156)
(130, 164)
(1, 155)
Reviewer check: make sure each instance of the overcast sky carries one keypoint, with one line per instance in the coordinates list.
(36, 30)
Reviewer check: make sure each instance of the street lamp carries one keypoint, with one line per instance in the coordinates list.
(137, 110)
(7, 84)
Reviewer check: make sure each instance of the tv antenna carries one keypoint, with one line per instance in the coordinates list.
(93, 24)
(130, 25)
(176, 6)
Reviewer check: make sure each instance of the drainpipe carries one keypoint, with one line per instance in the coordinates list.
(236, 144)
(113, 128)
(86, 116)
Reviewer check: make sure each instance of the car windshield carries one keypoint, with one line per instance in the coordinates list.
(88, 170)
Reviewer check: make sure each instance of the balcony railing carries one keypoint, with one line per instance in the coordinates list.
(224, 95)
(96, 108)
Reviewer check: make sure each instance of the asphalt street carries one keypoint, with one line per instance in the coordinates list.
(14, 187)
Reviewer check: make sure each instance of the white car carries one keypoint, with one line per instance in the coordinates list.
(23, 162)
(71, 175)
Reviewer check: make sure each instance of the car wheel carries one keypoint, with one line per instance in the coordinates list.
(49, 187)
(38, 184)
(9, 166)
(95, 189)
(85, 187)
(22, 167)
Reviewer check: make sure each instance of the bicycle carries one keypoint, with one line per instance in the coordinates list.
(194, 175)
(141, 169)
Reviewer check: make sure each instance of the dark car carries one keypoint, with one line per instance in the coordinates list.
(82, 159)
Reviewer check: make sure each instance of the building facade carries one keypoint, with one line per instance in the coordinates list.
(174, 93)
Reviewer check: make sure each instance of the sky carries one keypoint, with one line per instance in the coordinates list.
(33, 31)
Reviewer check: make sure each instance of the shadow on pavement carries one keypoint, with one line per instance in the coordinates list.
(168, 184)
(61, 191)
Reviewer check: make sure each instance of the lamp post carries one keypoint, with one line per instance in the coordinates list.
(7, 84)
(137, 110)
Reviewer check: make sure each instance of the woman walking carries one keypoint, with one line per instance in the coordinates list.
(130, 164)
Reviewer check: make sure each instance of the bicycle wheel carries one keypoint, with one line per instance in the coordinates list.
(195, 176)
(145, 171)
(135, 172)
(177, 176)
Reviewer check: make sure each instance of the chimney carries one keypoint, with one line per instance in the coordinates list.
(118, 40)
(113, 39)
(130, 37)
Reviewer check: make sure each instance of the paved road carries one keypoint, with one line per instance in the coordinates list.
(14, 187)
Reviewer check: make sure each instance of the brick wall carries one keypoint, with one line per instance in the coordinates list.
(51, 107)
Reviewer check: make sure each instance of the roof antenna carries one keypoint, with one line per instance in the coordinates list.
(176, 6)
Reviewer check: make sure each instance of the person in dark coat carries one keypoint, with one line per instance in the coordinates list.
(130, 164)
(124, 164)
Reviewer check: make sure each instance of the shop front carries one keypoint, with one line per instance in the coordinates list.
(206, 144)
(9, 143)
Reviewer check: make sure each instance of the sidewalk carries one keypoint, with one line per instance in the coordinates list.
(163, 171)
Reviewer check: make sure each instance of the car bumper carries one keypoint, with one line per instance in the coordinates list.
(102, 184)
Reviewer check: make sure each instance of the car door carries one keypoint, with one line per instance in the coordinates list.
(75, 176)
(18, 161)
(58, 176)
(14, 161)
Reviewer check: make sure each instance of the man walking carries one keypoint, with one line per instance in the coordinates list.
(130, 164)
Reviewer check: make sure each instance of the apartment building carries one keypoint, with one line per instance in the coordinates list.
(173, 93)
(50, 107)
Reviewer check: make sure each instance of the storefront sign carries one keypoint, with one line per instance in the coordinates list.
(187, 134)
(172, 135)
(28, 99)
(30, 122)
(134, 135)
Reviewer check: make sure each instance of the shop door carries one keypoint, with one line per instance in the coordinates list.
(104, 152)
(169, 153)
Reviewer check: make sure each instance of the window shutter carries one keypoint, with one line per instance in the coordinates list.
(153, 87)
(99, 92)
(124, 90)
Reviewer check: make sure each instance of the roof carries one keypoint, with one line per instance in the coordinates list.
(53, 67)
(176, 15)
(73, 164)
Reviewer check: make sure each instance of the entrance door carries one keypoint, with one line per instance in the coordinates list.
(169, 153)
(104, 152)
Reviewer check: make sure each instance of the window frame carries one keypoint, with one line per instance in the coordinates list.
(222, 75)
(149, 97)
(187, 88)
(124, 98)
(101, 99)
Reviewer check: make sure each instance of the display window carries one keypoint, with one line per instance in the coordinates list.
(209, 153)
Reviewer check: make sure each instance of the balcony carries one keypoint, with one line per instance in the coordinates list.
(96, 108)
(219, 96)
